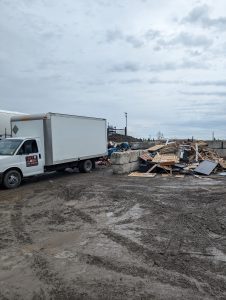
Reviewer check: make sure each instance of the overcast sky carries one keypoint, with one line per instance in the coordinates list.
(162, 61)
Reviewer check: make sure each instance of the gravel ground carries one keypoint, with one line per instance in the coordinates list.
(102, 236)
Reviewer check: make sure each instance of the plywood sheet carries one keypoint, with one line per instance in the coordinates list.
(165, 159)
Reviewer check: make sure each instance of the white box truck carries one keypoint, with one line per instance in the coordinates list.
(48, 142)
(5, 126)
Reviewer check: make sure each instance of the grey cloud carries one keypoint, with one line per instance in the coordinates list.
(200, 15)
(126, 67)
(113, 35)
(166, 66)
(193, 83)
(202, 123)
(130, 81)
(190, 40)
(195, 53)
(170, 66)
(51, 35)
(218, 94)
(197, 14)
(157, 81)
(209, 83)
(117, 35)
(133, 40)
(190, 64)
(151, 34)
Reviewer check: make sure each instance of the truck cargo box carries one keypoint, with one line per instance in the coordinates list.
(65, 137)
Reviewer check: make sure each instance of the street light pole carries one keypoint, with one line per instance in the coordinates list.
(126, 124)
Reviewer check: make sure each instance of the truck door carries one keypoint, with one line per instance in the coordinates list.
(31, 158)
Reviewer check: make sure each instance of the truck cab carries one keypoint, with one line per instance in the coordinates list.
(20, 157)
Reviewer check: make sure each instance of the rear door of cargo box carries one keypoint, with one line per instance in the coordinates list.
(75, 137)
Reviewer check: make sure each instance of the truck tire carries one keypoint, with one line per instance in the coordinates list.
(85, 166)
(12, 179)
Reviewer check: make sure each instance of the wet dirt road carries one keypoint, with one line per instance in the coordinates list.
(99, 236)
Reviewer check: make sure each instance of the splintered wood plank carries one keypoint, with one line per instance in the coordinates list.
(152, 168)
(147, 175)
(156, 148)
(146, 157)
(179, 176)
(222, 163)
(166, 175)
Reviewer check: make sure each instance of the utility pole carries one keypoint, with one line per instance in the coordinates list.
(126, 124)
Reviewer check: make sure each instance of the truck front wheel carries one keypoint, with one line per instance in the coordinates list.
(12, 179)
(85, 166)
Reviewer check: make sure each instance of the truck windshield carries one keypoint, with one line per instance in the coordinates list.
(9, 146)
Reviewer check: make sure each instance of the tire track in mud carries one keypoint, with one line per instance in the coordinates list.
(6, 235)
(18, 225)
(200, 225)
(141, 272)
(57, 287)
(159, 264)
(130, 245)
(179, 225)
(84, 216)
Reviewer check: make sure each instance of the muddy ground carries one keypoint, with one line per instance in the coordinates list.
(102, 236)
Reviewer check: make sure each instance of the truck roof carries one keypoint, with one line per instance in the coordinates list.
(48, 116)
(11, 112)
(20, 138)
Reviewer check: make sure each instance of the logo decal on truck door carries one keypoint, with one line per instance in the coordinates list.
(31, 160)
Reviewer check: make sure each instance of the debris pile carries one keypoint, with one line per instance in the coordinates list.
(112, 148)
(180, 159)
(117, 147)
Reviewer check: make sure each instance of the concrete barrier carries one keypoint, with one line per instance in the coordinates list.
(125, 168)
(218, 146)
(215, 144)
(142, 145)
(126, 162)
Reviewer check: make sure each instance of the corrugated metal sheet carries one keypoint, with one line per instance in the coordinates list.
(206, 167)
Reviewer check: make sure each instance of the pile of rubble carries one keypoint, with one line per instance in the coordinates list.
(180, 159)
